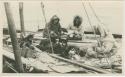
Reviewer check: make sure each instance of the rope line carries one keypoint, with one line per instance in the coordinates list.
(90, 23)
(99, 20)
(94, 12)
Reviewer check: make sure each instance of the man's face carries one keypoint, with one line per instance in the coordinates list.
(55, 21)
(77, 22)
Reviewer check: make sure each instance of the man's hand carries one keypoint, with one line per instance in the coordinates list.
(53, 34)
(76, 32)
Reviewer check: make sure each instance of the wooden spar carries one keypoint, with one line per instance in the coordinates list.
(27, 62)
(13, 36)
(21, 17)
(99, 70)
(11, 67)
(43, 11)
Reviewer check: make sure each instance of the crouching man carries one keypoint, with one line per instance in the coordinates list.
(28, 50)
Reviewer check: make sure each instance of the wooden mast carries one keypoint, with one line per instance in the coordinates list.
(21, 17)
(13, 36)
(43, 11)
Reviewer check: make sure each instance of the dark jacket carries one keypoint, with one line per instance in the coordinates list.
(56, 28)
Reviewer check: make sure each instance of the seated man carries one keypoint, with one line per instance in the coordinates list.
(53, 28)
(76, 29)
(52, 32)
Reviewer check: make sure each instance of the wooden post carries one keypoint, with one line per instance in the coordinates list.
(42, 6)
(13, 37)
(21, 17)
(99, 70)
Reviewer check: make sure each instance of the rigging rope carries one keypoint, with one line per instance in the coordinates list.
(91, 24)
(96, 16)
(99, 20)
(94, 12)
(42, 5)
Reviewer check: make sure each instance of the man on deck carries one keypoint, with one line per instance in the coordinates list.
(28, 50)
(53, 28)
(77, 28)
(52, 32)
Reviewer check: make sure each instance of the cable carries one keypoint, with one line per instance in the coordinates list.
(94, 12)
(98, 19)
(90, 23)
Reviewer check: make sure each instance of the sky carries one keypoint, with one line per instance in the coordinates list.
(110, 13)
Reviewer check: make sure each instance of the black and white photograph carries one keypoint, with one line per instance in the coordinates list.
(62, 37)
